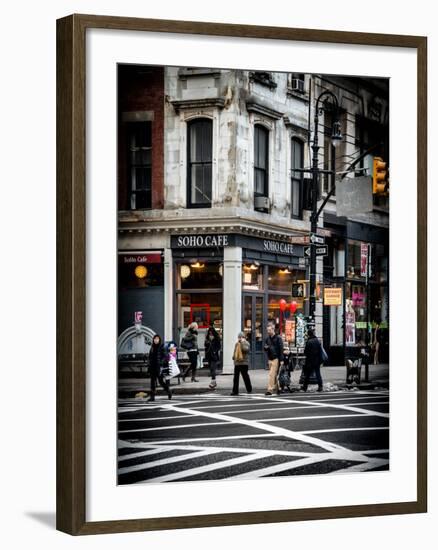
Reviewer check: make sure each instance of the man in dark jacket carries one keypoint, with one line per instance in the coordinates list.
(313, 353)
(274, 351)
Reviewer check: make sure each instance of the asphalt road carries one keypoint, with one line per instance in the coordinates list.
(212, 436)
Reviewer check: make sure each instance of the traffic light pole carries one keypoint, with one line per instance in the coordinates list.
(314, 218)
(315, 212)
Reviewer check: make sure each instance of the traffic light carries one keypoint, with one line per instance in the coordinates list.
(380, 177)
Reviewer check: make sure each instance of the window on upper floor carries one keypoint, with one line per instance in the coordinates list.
(297, 160)
(199, 163)
(261, 168)
(296, 83)
(140, 164)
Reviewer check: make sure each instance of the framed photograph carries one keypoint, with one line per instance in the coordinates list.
(241, 274)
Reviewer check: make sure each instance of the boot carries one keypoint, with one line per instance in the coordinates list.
(151, 397)
(169, 394)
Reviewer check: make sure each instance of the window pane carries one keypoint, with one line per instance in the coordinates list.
(201, 183)
(200, 157)
(140, 163)
(296, 210)
(260, 147)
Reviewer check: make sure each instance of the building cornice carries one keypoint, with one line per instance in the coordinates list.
(204, 103)
(254, 106)
(242, 225)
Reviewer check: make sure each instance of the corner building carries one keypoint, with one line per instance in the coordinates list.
(213, 218)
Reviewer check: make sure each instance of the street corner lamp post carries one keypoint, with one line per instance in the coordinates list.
(336, 138)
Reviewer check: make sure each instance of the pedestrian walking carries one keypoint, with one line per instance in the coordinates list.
(314, 354)
(241, 364)
(157, 364)
(190, 344)
(274, 352)
(212, 347)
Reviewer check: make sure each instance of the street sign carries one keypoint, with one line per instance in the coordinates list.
(316, 239)
(320, 250)
(332, 296)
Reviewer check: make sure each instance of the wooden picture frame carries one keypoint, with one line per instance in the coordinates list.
(71, 273)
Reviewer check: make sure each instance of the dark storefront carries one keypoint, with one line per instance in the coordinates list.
(358, 264)
(140, 301)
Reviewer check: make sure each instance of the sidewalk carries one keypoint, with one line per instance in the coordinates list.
(333, 378)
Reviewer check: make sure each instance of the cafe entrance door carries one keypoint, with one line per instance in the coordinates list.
(253, 322)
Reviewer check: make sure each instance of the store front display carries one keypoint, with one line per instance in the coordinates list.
(269, 277)
(357, 267)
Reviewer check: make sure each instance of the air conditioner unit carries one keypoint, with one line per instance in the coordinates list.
(297, 85)
(261, 203)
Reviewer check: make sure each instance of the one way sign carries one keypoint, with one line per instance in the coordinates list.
(320, 250)
(316, 239)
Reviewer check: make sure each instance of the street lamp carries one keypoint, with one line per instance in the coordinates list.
(336, 138)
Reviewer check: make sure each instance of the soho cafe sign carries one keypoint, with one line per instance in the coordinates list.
(219, 241)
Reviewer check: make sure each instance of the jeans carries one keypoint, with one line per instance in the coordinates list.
(241, 370)
(193, 358)
(213, 365)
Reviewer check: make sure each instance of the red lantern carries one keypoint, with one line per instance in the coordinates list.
(293, 307)
(283, 304)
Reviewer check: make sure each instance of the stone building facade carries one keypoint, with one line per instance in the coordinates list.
(211, 206)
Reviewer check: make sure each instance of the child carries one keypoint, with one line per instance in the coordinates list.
(284, 379)
(171, 369)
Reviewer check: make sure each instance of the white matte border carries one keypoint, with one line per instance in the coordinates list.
(106, 500)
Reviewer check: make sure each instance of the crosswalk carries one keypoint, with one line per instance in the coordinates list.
(206, 437)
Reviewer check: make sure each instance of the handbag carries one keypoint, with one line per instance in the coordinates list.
(324, 355)
(186, 343)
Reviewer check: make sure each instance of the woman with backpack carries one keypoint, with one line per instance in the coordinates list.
(241, 364)
(189, 343)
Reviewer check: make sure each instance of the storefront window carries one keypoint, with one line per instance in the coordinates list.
(281, 278)
(252, 276)
(199, 275)
(140, 271)
(356, 322)
(201, 308)
(357, 260)
(199, 297)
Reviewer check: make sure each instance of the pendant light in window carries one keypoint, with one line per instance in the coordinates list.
(141, 271)
(184, 271)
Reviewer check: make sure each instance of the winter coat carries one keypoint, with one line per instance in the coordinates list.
(157, 359)
(274, 347)
(313, 353)
(244, 349)
(212, 347)
(190, 340)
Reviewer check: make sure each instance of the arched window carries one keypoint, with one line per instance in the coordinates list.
(199, 163)
(297, 159)
(261, 161)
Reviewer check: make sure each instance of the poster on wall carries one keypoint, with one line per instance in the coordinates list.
(350, 324)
